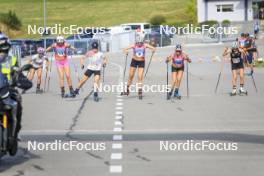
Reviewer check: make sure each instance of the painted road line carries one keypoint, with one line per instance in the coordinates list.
(118, 112)
(117, 129)
(118, 117)
(115, 169)
(117, 146)
(119, 108)
(116, 156)
(118, 123)
(119, 104)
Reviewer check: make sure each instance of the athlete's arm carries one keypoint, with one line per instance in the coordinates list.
(82, 61)
(128, 48)
(50, 48)
(226, 51)
(168, 59)
(105, 61)
(186, 57)
(150, 47)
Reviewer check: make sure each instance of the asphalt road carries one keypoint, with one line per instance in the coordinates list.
(132, 130)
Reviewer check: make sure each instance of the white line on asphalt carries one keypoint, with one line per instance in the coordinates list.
(116, 156)
(118, 123)
(117, 146)
(119, 108)
(119, 104)
(117, 129)
(117, 137)
(116, 169)
(118, 112)
(119, 99)
(118, 117)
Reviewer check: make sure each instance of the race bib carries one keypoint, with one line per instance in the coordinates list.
(140, 52)
(236, 60)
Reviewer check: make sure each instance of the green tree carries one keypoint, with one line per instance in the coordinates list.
(191, 11)
(11, 20)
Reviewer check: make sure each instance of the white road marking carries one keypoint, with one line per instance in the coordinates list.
(119, 104)
(117, 146)
(116, 156)
(119, 108)
(117, 137)
(116, 169)
(119, 113)
(117, 129)
(118, 123)
(118, 117)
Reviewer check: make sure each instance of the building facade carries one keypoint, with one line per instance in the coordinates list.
(219, 10)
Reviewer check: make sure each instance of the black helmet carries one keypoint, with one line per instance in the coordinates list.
(4, 43)
(242, 34)
(178, 47)
(95, 45)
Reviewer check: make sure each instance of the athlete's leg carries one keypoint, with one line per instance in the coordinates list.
(39, 74)
(241, 74)
(234, 78)
(82, 81)
(68, 75)
(31, 74)
(131, 75)
(140, 77)
(179, 78)
(174, 80)
(97, 84)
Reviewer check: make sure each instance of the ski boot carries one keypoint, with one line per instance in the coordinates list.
(140, 95)
(96, 98)
(242, 91)
(76, 92)
(39, 91)
(62, 92)
(234, 92)
(176, 94)
(169, 94)
(125, 93)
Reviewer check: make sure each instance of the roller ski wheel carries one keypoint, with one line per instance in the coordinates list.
(39, 91)
(168, 96)
(232, 94)
(13, 147)
(140, 97)
(70, 95)
(242, 93)
(124, 93)
(96, 98)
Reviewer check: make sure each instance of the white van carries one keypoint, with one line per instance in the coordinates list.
(139, 27)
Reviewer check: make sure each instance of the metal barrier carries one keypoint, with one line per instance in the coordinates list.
(16, 51)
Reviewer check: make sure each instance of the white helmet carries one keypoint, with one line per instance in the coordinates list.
(60, 39)
(139, 39)
(234, 45)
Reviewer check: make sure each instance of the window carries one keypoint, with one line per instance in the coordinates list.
(225, 8)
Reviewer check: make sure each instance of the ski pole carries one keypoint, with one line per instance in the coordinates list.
(167, 79)
(124, 74)
(45, 81)
(50, 69)
(187, 78)
(149, 64)
(103, 73)
(77, 74)
(219, 76)
(254, 83)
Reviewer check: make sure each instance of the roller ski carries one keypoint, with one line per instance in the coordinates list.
(140, 94)
(125, 93)
(95, 97)
(69, 95)
(39, 91)
(233, 93)
(177, 95)
(242, 91)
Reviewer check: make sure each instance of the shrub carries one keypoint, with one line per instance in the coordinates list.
(157, 20)
(11, 20)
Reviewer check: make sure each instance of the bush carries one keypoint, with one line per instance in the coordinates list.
(210, 23)
(226, 23)
(11, 20)
(157, 20)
